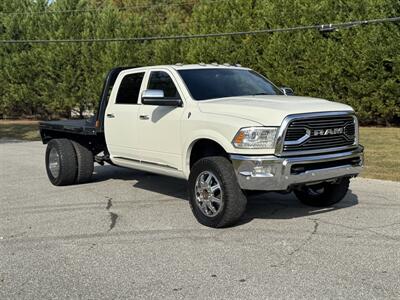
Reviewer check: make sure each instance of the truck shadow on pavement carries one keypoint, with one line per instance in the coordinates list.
(287, 206)
(165, 185)
(262, 206)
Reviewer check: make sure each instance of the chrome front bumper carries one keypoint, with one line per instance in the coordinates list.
(272, 173)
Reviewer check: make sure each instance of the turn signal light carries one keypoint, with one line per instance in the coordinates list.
(239, 138)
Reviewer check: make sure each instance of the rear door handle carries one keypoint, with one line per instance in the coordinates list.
(143, 117)
(110, 116)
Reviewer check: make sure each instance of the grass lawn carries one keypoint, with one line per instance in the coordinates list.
(382, 146)
(19, 130)
(382, 152)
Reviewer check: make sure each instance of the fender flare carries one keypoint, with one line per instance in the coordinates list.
(203, 134)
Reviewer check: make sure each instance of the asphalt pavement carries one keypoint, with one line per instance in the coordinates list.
(130, 234)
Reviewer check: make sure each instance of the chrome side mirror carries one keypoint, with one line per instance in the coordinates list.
(287, 91)
(153, 94)
(156, 97)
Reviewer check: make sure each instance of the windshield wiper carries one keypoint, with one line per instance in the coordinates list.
(257, 94)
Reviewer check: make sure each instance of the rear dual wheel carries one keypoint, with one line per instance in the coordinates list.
(85, 163)
(68, 162)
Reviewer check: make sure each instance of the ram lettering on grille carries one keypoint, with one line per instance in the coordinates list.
(329, 131)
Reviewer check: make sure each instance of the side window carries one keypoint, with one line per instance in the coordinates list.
(162, 81)
(128, 92)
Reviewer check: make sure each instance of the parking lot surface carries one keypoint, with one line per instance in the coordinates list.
(130, 234)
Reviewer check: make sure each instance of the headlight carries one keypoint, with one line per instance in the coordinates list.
(255, 138)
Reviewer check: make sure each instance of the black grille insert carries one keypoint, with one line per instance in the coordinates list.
(301, 168)
(323, 133)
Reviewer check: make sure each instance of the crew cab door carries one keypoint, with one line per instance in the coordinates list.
(121, 116)
(160, 126)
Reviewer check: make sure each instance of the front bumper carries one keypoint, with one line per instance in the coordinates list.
(272, 173)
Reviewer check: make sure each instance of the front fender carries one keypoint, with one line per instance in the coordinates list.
(220, 129)
(202, 134)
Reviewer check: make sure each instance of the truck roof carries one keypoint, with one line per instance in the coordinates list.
(206, 66)
(180, 66)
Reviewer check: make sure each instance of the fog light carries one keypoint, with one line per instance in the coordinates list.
(263, 171)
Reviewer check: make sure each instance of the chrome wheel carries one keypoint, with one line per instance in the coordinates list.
(54, 163)
(208, 193)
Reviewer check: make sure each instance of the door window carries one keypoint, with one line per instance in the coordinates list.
(160, 80)
(128, 92)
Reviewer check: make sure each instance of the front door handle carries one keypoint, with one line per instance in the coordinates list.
(143, 117)
(110, 116)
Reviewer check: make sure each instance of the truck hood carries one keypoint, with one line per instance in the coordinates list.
(268, 110)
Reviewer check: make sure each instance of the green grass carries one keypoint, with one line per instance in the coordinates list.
(382, 146)
(382, 152)
(19, 130)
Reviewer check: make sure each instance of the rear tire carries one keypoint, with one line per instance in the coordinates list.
(219, 203)
(85, 163)
(61, 162)
(325, 194)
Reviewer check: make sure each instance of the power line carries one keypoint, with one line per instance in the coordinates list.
(102, 9)
(179, 22)
(322, 27)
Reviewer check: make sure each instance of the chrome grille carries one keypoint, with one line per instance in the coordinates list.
(323, 132)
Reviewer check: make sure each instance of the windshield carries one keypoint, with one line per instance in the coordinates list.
(206, 84)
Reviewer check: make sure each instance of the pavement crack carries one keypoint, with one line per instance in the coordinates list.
(383, 235)
(301, 246)
(383, 226)
(308, 239)
(113, 216)
(109, 203)
(367, 228)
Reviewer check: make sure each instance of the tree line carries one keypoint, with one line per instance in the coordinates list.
(358, 66)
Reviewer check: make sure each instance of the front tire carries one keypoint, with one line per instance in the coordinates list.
(61, 162)
(325, 194)
(216, 199)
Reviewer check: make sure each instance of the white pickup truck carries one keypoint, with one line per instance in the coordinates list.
(226, 129)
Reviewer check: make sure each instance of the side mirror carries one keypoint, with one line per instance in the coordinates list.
(287, 91)
(156, 97)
